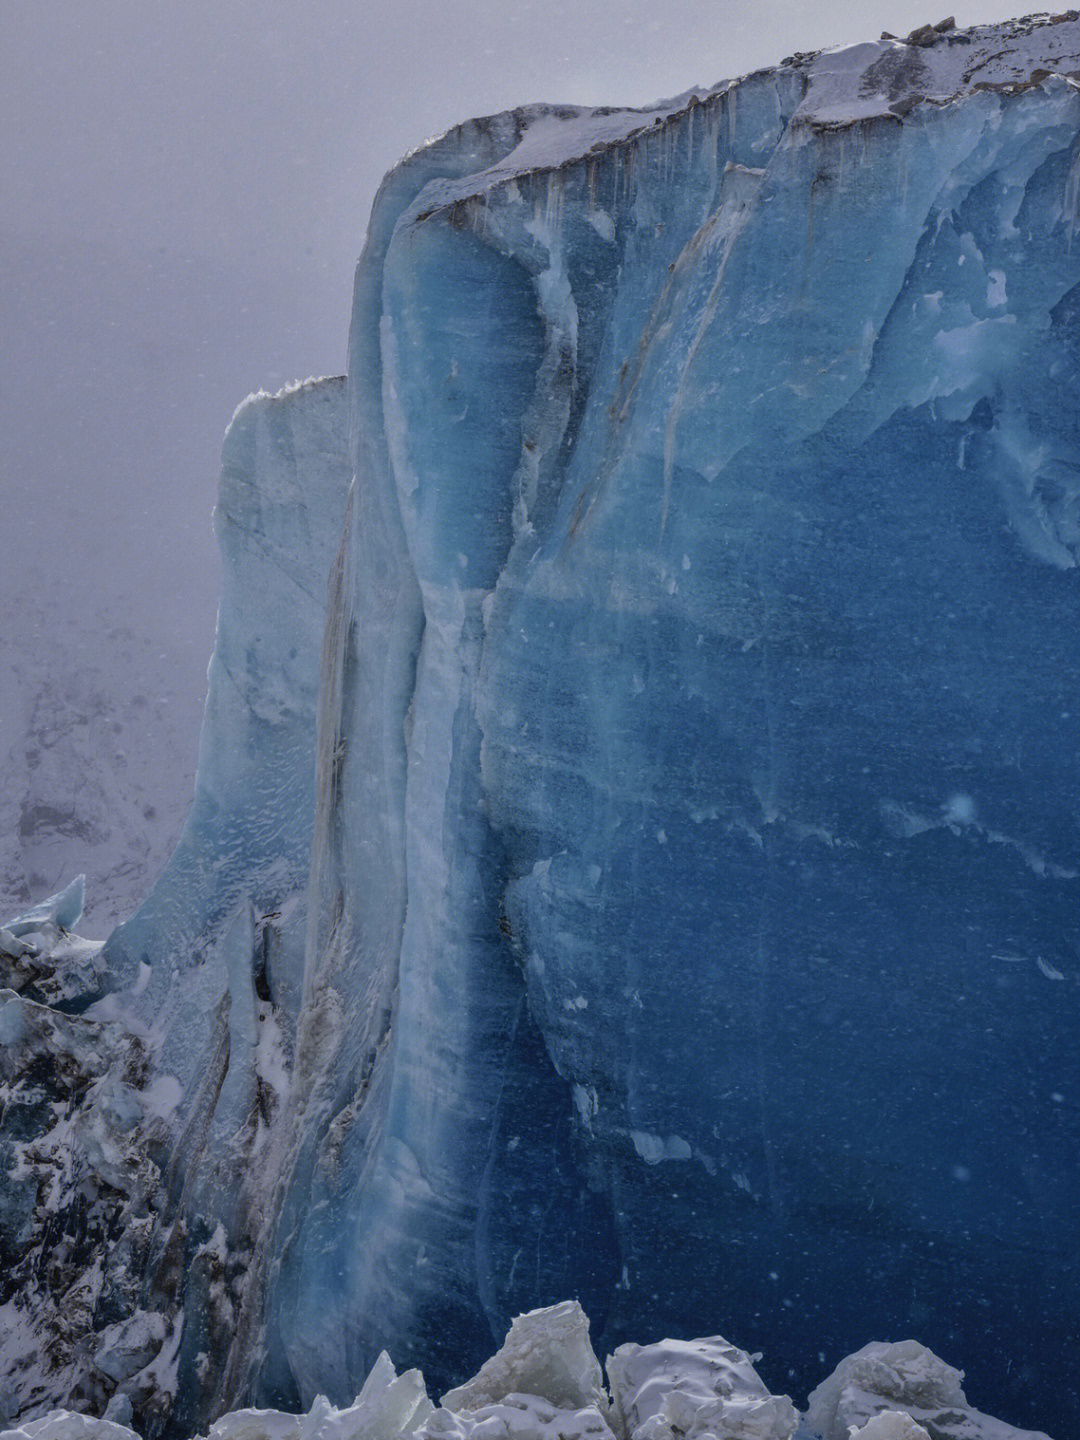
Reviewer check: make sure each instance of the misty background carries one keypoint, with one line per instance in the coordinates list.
(184, 189)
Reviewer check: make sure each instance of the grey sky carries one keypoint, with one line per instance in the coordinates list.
(184, 186)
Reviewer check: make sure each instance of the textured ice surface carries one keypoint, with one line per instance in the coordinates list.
(61, 911)
(908, 1378)
(694, 1388)
(890, 1425)
(698, 1389)
(69, 1425)
(546, 1353)
(635, 850)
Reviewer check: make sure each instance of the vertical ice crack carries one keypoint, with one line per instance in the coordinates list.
(678, 399)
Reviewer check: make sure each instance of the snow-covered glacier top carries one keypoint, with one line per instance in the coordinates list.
(840, 86)
(940, 64)
(636, 842)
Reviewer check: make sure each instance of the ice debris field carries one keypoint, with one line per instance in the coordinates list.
(546, 1384)
(635, 847)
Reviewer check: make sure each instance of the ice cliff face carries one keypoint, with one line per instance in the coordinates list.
(636, 847)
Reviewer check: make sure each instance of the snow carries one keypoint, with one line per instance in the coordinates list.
(860, 82)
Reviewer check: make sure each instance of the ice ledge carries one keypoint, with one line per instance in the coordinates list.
(259, 398)
(841, 87)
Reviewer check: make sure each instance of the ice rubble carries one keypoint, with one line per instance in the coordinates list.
(96, 1138)
(546, 1352)
(890, 1425)
(906, 1379)
(694, 1388)
(42, 957)
(635, 846)
(546, 1384)
(61, 911)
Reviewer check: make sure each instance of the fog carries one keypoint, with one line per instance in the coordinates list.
(185, 190)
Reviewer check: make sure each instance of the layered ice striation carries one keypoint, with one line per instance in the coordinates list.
(636, 845)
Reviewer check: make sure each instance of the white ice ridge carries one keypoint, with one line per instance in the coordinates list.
(842, 86)
(545, 1383)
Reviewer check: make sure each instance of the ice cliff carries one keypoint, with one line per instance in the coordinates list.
(636, 843)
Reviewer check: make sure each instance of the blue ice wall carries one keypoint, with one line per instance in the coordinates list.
(640, 804)
(737, 982)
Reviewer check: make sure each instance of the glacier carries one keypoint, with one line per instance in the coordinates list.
(635, 846)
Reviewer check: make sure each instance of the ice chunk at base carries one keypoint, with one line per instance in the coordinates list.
(902, 1376)
(257, 1425)
(694, 1388)
(517, 1417)
(890, 1425)
(547, 1353)
(61, 911)
(388, 1407)
(702, 628)
(68, 1425)
(41, 957)
(701, 1389)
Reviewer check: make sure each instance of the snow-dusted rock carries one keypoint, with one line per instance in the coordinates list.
(685, 1389)
(130, 1344)
(904, 1377)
